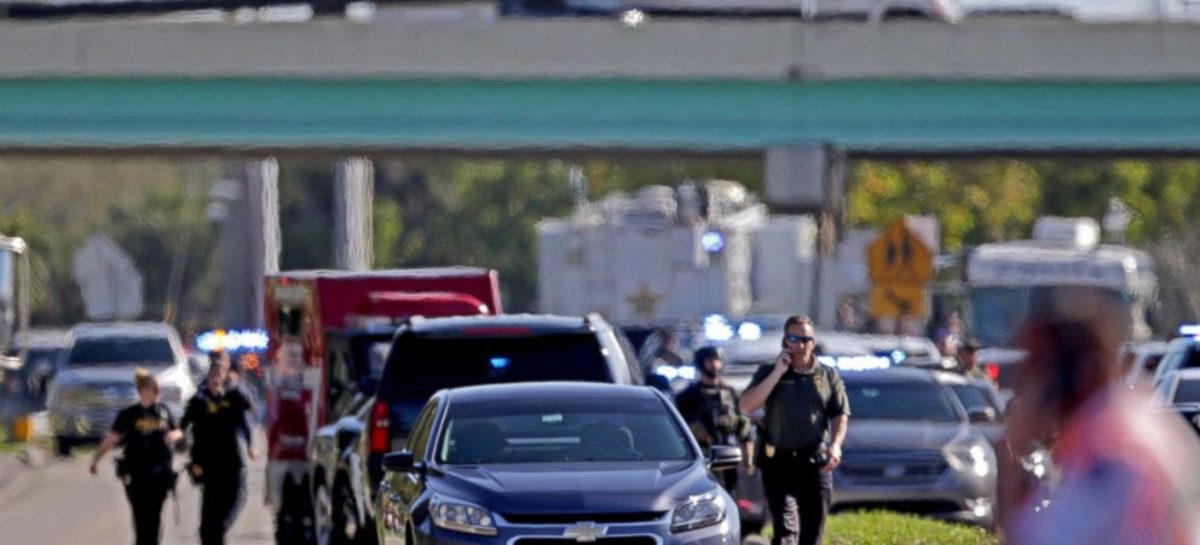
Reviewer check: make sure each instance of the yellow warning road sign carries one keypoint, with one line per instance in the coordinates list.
(899, 256)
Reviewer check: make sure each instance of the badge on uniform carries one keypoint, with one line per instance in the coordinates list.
(769, 451)
(817, 380)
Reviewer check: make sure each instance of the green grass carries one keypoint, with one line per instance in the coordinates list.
(885, 528)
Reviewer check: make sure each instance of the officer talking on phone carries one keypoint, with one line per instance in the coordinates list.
(803, 428)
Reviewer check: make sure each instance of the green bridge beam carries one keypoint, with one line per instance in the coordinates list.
(670, 115)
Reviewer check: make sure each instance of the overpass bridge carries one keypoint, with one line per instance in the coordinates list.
(799, 94)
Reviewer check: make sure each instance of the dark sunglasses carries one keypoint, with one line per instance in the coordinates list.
(798, 339)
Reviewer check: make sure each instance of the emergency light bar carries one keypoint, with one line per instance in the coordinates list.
(856, 363)
(686, 372)
(234, 339)
(1189, 330)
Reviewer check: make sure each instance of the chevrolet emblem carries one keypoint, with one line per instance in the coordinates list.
(585, 532)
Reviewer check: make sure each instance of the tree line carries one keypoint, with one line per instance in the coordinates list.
(444, 210)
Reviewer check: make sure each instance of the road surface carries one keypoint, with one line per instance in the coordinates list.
(61, 504)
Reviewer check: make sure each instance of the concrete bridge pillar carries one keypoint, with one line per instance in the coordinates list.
(250, 239)
(353, 195)
(810, 180)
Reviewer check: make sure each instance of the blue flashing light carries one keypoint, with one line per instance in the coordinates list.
(233, 340)
(500, 363)
(1190, 330)
(898, 356)
(856, 363)
(749, 331)
(712, 242)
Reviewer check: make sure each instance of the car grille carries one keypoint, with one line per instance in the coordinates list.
(632, 540)
(907, 507)
(571, 518)
(894, 470)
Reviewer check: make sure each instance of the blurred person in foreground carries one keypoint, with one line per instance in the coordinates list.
(710, 408)
(218, 418)
(147, 431)
(1127, 474)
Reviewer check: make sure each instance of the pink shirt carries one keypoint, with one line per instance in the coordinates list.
(1129, 476)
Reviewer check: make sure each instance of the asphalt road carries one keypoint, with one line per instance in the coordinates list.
(60, 503)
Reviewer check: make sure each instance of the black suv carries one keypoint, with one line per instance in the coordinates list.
(429, 355)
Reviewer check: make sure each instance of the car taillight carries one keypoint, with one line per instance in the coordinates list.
(993, 371)
(380, 433)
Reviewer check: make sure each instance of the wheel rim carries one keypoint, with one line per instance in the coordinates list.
(324, 510)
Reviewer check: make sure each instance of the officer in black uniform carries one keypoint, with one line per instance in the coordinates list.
(710, 407)
(800, 440)
(217, 416)
(148, 432)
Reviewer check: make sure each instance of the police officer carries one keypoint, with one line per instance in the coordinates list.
(148, 432)
(217, 416)
(805, 406)
(710, 407)
(968, 361)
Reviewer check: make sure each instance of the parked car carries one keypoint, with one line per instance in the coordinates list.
(43, 354)
(96, 380)
(1182, 353)
(526, 464)
(356, 360)
(1179, 392)
(337, 495)
(429, 355)
(912, 448)
(1144, 360)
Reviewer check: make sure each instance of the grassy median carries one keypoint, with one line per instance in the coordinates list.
(885, 528)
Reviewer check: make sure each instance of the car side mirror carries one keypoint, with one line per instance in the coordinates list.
(722, 458)
(982, 415)
(401, 462)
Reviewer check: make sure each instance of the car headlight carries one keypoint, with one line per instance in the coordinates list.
(460, 516)
(973, 457)
(698, 512)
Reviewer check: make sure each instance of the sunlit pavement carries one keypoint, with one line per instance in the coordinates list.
(61, 504)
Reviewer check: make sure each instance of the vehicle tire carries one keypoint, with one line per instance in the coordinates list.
(323, 508)
(345, 516)
(63, 446)
(293, 524)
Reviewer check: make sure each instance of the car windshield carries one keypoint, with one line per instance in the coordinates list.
(973, 398)
(1188, 391)
(423, 365)
(122, 350)
(884, 400)
(561, 430)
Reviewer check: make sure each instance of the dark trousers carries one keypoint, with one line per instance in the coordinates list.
(798, 495)
(223, 497)
(146, 497)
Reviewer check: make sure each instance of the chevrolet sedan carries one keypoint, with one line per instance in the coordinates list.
(554, 463)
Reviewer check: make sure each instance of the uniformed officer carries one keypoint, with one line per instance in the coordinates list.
(968, 361)
(803, 428)
(710, 407)
(217, 416)
(148, 432)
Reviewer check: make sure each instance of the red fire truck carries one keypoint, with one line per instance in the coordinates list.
(300, 309)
